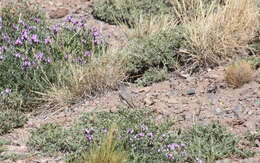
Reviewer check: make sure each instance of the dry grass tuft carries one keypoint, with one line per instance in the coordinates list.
(77, 82)
(149, 26)
(214, 32)
(107, 152)
(239, 74)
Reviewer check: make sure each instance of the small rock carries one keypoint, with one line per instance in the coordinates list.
(172, 100)
(218, 111)
(257, 103)
(190, 92)
(238, 109)
(58, 13)
(212, 88)
(148, 102)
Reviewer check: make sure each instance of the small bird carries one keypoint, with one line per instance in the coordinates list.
(126, 97)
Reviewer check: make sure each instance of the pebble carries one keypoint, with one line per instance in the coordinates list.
(218, 111)
(190, 92)
(238, 108)
(257, 103)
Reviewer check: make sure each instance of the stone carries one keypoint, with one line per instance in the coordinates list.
(172, 100)
(190, 92)
(58, 13)
(238, 109)
(148, 101)
(257, 103)
(218, 111)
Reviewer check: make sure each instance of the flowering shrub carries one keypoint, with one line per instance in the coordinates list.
(144, 139)
(32, 52)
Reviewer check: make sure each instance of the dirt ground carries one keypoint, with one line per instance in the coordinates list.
(201, 98)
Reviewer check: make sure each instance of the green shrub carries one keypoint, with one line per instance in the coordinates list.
(152, 76)
(140, 136)
(126, 11)
(32, 53)
(10, 119)
(159, 51)
(212, 142)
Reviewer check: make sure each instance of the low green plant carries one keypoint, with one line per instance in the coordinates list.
(159, 51)
(212, 142)
(253, 138)
(152, 76)
(144, 139)
(10, 119)
(128, 11)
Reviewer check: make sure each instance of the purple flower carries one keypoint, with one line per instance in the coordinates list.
(8, 90)
(31, 28)
(150, 135)
(130, 131)
(169, 156)
(89, 134)
(89, 131)
(16, 27)
(144, 128)
(6, 37)
(47, 60)
(1, 57)
(37, 20)
(69, 19)
(2, 49)
(104, 130)
(87, 53)
(173, 146)
(35, 38)
(79, 60)
(198, 160)
(26, 64)
(24, 35)
(74, 22)
(39, 56)
(66, 57)
(55, 29)
(139, 135)
(89, 137)
(22, 22)
(18, 42)
(47, 40)
(97, 36)
(17, 55)
(82, 25)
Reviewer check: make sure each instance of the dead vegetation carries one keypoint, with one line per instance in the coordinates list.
(239, 74)
(215, 33)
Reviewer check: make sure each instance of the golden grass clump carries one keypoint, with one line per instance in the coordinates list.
(216, 32)
(239, 74)
(149, 26)
(77, 81)
(107, 152)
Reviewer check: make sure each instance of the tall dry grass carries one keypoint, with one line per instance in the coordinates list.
(77, 81)
(107, 152)
(215, 32)
(148, 26)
